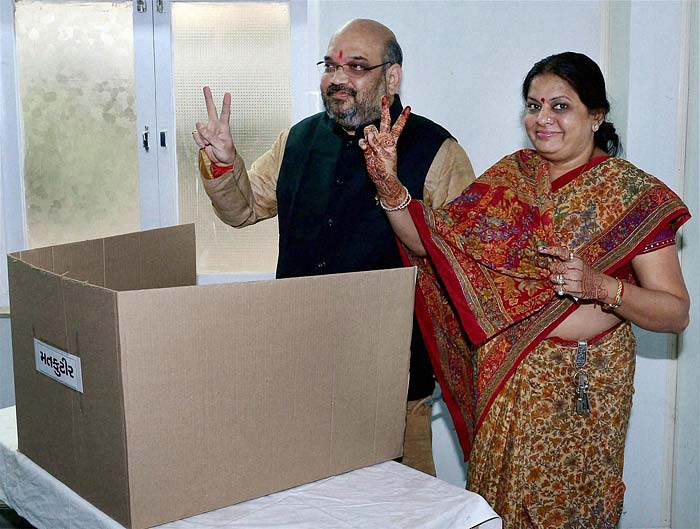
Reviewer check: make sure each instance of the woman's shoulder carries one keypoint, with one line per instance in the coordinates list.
(520, 171)
(522, 160)
(638, 186)
(626, 170)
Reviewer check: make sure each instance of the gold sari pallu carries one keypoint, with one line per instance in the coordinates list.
(484, 298)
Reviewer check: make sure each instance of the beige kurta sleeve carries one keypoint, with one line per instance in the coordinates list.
(449, 174)
(241, 198)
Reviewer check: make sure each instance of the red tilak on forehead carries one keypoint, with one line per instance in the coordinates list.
(542, 100)
(340, 55)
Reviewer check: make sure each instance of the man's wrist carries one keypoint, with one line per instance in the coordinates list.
(218, 170)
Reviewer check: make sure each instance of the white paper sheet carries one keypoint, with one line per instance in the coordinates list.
(384, 496)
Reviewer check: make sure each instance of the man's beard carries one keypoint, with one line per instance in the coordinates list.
(367, 107)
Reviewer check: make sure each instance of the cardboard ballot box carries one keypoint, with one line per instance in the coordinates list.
(156, 399)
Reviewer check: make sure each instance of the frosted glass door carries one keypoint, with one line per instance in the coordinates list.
(75, 63)
(95, 77)
(242, 48)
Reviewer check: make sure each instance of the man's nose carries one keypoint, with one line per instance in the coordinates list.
(339, 75)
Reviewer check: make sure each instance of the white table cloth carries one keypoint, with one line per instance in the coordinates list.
(384, 496)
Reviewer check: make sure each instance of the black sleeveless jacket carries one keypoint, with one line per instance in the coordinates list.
(329, 219)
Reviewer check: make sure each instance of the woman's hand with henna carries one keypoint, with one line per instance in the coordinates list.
(572, 276)
(380, 156)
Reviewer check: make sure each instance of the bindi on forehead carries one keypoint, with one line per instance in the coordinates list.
(340, 55)
(541, 99)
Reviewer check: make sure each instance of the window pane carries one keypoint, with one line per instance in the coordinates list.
(242, 48)
(76, 75)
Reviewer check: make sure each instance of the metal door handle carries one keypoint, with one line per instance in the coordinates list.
(144, 138)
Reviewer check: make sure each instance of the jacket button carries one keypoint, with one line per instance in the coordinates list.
(321, 265)
(329, 222)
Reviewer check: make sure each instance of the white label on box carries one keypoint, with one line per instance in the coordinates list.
(60, 366)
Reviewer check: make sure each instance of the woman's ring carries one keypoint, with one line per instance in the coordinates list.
(559, 279)
(195, 132)
(560, 291)
(571, 256)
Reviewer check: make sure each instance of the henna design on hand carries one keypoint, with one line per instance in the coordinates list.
(381, 166)
(380, 156)
(592, 285)
(558, 267)
(580, 280)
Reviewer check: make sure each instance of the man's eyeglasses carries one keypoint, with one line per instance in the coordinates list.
(351, 69)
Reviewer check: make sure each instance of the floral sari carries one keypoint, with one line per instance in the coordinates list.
(485, 301)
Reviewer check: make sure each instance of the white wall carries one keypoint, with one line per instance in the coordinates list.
(685, 513)
(656, 100)
(11, 192)
(7, 384)
(463, 67)
(11, 203)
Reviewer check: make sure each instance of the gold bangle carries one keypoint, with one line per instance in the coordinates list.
(617, 303)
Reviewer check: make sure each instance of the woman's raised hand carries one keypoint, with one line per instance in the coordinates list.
(214, 136)
(380, 155)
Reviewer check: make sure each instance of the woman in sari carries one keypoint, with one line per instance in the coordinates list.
(527, 288)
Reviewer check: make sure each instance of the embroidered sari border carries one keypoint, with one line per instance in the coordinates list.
(421, 218)
(464, 432)
(550, 317)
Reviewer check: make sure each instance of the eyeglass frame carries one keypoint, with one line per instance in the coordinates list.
(355, 73)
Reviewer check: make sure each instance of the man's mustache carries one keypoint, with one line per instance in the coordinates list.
(341, 88)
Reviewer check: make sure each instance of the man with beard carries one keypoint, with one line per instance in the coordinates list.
(315, 179)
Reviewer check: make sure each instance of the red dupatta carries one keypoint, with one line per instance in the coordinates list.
(484, 299)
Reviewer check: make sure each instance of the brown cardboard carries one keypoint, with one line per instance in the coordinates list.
(198, 397)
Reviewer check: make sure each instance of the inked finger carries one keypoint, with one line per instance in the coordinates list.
(197, 136)
(400, 123)
(201, 136)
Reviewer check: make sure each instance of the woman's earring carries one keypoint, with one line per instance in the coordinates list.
(596, 126)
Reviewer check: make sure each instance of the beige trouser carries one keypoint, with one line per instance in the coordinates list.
(418, 439)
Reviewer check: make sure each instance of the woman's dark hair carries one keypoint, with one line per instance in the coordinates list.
(584, 76)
